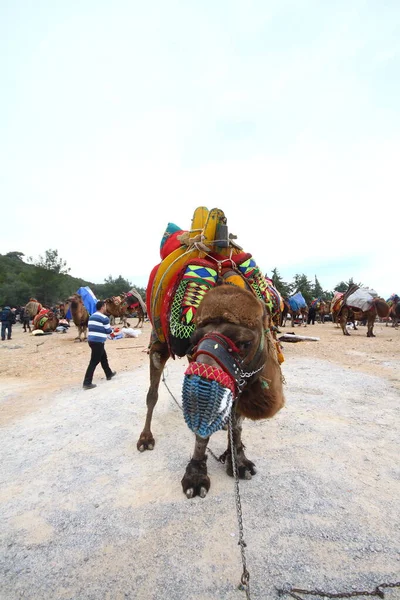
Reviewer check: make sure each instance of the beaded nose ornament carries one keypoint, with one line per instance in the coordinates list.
(207, 398)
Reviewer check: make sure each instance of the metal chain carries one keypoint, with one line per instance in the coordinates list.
(171, 394)
(245, 578)
(378, 591)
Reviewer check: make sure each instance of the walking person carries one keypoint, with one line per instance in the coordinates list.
(99, 328)
(7, 318)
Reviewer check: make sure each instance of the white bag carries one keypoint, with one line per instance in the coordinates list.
(362, 299)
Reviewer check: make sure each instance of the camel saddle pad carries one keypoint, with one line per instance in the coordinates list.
(179, 283)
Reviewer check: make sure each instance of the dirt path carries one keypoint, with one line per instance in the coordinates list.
(85, 516)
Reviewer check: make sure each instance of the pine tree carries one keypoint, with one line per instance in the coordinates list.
(282, 287)
(303, 285)
(317, 290)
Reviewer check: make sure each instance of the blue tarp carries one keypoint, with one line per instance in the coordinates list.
(297, 302)
(88, 299)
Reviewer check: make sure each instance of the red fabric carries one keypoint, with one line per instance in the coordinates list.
(212, 373)
(171, 244)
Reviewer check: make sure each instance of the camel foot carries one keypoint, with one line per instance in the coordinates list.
(146, 441)
(195, 481)
(77, 340)
(245, 468)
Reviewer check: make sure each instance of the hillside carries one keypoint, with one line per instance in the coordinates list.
(20, 280)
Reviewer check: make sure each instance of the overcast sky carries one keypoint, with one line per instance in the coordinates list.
(117, 117)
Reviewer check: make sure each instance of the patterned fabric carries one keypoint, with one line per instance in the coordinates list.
(192, 287)
(259, 284)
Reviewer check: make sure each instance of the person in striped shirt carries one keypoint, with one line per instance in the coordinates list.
(99, 328)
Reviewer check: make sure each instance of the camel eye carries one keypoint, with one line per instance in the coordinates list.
(243, 346)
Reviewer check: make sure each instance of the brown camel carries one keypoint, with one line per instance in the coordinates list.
(45, 320)
(347, 313)
(232, 351)
(285, 312)
(80, 315)
(394, 311)
(120, 306)
(323, 310)
(32, 308)
(300, 314)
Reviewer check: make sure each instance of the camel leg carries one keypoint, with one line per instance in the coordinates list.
(195, 481)
(343, 321)
(370, 326)
(158, 357)
(245, 468)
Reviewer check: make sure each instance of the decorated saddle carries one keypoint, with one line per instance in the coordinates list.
(193, 262)
(42, 317)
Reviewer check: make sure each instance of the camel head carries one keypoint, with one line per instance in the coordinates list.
(233, 360)
(75, 300)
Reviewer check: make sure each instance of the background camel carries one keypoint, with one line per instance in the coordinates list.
(32, 308)
(45, 320)
(126, 303)
(80, 315)
(394, 310)
(285, 312)
(379, 307)
(323, 309)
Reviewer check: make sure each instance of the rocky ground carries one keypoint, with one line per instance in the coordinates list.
(85, 516)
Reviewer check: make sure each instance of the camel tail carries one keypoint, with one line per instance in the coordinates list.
(382, 308)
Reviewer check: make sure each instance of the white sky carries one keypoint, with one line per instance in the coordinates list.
(116, 118)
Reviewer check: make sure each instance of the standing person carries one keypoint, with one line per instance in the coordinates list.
(25, 319)
(7, 318)
(312, 312)
(99, 328)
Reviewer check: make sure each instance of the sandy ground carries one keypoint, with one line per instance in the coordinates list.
(85, 516)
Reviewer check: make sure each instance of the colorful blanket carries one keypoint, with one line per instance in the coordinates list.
(179, 283)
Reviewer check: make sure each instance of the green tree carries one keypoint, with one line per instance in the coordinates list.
(283, 288)
(303, 285)
(48, 277)
(17, 255)
(343, 286)
(52, 262)
(112, 287)
(317, 290)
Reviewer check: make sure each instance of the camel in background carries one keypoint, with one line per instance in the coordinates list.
(347, 313)
(80, 315)
(124, 304)
(394, 310)
(45, 320)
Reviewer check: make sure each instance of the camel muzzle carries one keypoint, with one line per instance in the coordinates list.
(209, 390)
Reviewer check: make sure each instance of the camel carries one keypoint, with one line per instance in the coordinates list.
(80, 315)
(298, 309)
(285, 312)
(119, 306)
(347, 313)
(323, 309)
(394, 310)
(45, 320)
(32, 308)
(215, 310)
